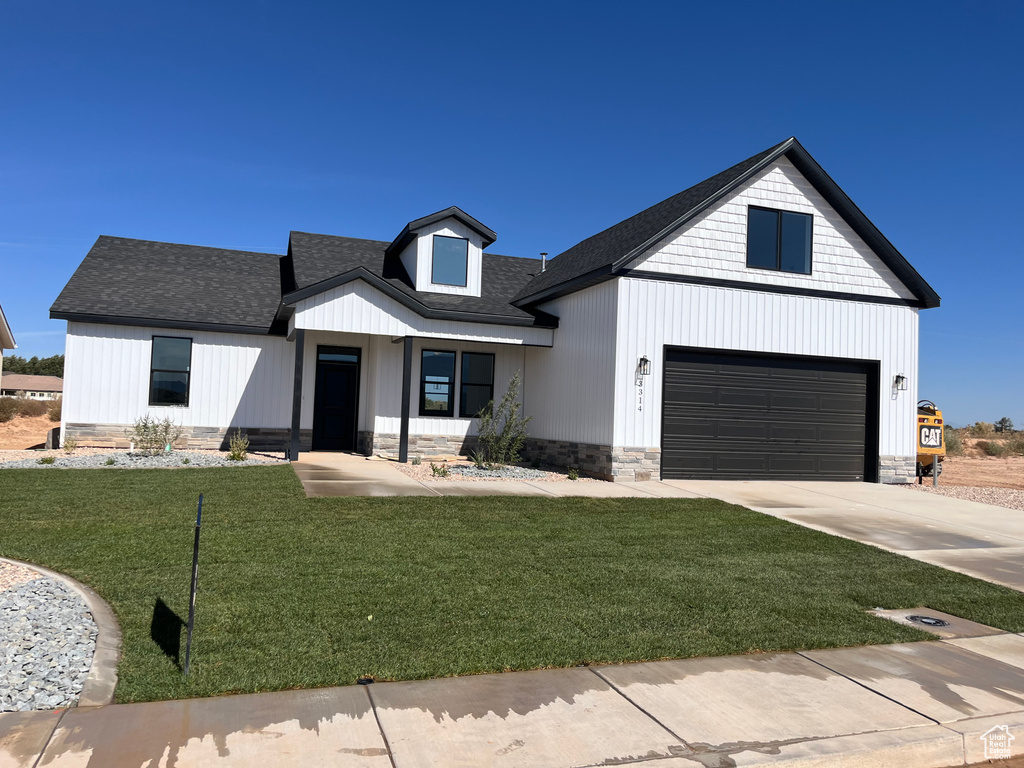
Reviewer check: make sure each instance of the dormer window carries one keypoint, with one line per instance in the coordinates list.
(450, 262)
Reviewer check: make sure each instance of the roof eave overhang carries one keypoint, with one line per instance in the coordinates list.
(6, 335)
(539, 320)
(185, 325)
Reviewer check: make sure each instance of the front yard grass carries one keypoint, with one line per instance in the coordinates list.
(298, 592)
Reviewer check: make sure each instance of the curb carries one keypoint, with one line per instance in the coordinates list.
(99, 685)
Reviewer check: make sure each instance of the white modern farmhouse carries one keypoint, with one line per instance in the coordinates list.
(755, 325)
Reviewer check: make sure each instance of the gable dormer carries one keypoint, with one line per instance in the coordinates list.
(443, 252)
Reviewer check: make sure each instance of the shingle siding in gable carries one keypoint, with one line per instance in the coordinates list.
(715, 244)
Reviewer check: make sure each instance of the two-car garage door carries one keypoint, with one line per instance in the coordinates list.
(746, 417)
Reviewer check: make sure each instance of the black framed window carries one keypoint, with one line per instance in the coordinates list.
(437, 383)
(450, 263)
(477, 382)
(779, 240)
(170, 370)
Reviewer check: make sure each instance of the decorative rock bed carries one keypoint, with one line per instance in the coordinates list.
(47, 641)
(502, 473)
(138, 460)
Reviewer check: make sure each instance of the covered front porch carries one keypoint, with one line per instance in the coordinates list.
(373, 377)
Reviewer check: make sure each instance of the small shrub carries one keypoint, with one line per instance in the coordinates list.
(438, 471)
(954, 443)
(46, 460)
(8, 409)
(1015, 444)
(502, 430)
(31, 408)
(574, 474)
(991, 449)
(110, 462)
(151, 435)
(70, 444)
(239, 446)
(479, 458)
(982, 429)
(416, 461)
(186, 460)
(54, 411)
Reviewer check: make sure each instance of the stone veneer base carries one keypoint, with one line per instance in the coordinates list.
(201, 438)
(897, 470)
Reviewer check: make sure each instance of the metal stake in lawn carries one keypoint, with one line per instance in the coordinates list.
(192, 593)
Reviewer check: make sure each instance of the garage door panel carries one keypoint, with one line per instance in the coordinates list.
(736, 417)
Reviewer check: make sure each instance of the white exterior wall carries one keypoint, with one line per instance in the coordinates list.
(418, 258)
(653, 314)
(358, 307)
(715, 243)
(570, 389)
(236, 379)
(388, 373)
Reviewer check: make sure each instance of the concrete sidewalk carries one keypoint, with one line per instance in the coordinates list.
(915, 704)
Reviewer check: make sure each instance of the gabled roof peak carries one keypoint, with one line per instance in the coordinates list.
(599, 257)
(452, 212)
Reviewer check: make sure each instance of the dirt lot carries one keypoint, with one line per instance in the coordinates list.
(23, 432)
(988, 472)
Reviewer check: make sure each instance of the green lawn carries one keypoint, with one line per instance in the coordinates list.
(454, 585)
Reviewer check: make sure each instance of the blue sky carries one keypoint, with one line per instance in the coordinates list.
(229, 124)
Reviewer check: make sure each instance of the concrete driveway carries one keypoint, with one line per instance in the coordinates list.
(977, 539)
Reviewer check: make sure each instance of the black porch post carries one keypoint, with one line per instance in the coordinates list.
(300, 341)
(403, 437)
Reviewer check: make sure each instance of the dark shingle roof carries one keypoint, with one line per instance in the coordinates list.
(319, 259)
(602, 250)
(601, 256)
(143, 282)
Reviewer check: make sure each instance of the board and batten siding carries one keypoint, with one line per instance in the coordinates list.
(653, 314)
(236, 379)
(570, 389)
(714, 244)
(357, 307)
(387, 359)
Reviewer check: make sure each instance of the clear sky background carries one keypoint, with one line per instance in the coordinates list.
(229, 124)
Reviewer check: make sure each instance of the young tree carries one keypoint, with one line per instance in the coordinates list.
(502, 430)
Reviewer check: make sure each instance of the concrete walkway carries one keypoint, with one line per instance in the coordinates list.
(346, 474)
(980, 540)
(915, 704)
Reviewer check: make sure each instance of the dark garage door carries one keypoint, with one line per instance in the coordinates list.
(747, 417)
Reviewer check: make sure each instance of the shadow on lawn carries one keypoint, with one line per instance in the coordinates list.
(165, 629)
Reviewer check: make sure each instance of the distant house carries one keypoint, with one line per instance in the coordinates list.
(6, 338)
(754, 326)
(33, 387)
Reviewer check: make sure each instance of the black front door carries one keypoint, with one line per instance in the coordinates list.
(336, 400)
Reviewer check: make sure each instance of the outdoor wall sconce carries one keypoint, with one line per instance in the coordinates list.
(644, 366)
(899, 383)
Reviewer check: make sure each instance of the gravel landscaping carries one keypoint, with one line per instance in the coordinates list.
(1000, 497)
(460, 469)
(137, 460)
(47, 641)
